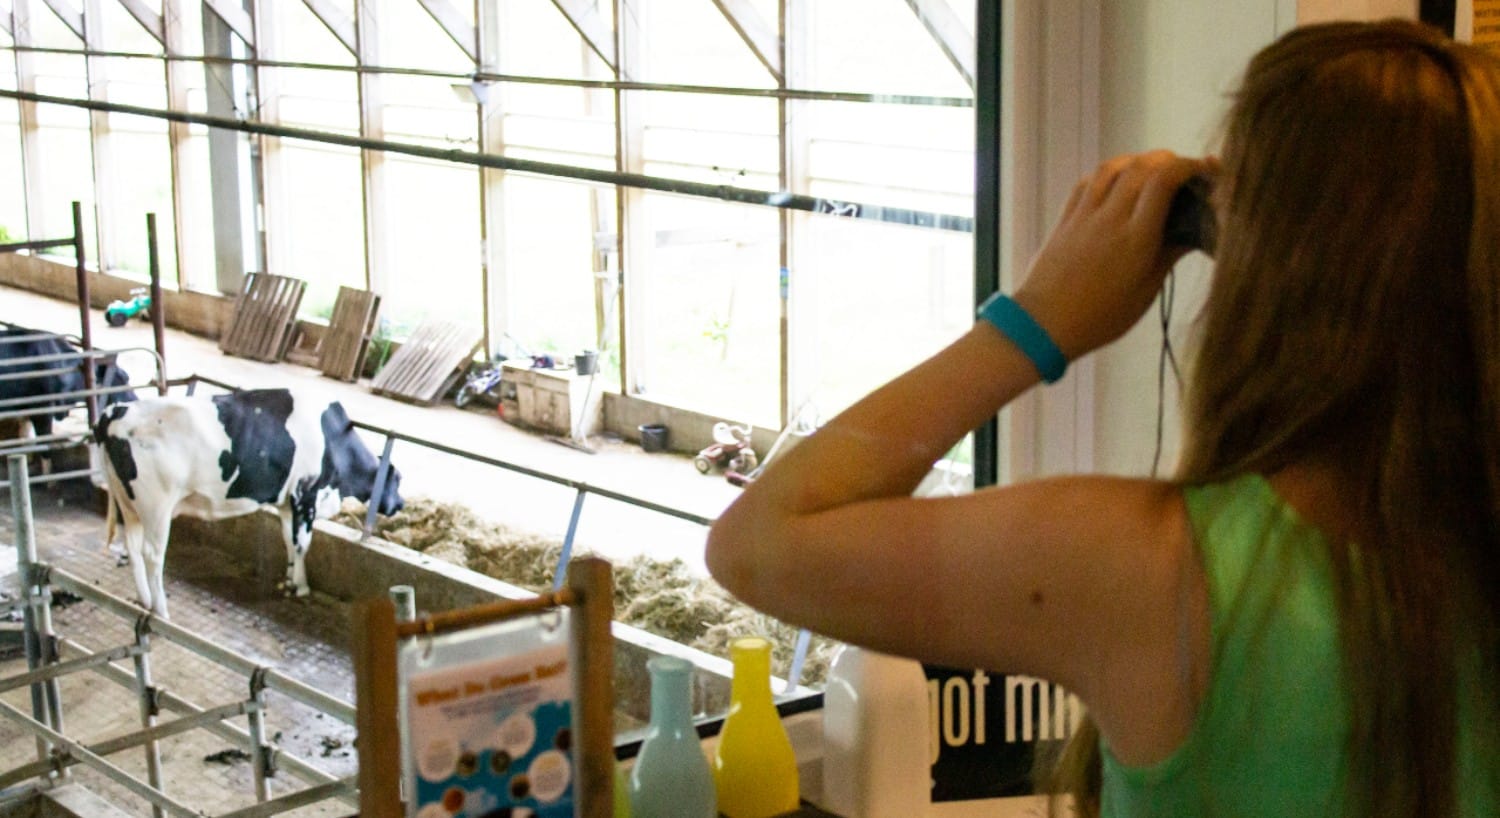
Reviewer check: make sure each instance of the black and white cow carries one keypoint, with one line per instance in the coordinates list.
(228, 455)
(31, 385)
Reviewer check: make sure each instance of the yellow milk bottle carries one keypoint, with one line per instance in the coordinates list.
(755, 771)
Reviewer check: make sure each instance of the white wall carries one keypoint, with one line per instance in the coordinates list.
(1167, 67)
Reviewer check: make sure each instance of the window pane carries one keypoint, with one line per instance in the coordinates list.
(324, 221)
(713, 308)
(123, 33)
(302, 37)
(550, 265)
(434, 217)
(318, 100)
(65, 153)
(855, 41)
(410, 38)
(690, 42)
(883, 298)
(143, 184)
(920, 158)
(713, 139)
(428, 111)
(12, 177)
(538, 41)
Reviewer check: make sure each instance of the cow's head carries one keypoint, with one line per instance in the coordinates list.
(353, 469)
(108, 373)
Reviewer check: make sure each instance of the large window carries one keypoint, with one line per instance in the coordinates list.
(758, 211)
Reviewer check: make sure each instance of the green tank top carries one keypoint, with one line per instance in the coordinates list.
(1269, 736)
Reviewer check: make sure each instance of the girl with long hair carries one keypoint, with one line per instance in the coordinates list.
(1303, 620)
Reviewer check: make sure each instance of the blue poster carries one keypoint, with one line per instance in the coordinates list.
(492, 739)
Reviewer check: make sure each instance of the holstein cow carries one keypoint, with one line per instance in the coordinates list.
(228, 455)
(33, 391)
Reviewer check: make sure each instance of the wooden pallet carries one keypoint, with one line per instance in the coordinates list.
(265, 315)
(428, 362)
(342, 353)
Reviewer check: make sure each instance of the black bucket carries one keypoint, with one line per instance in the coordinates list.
(586, 362)
(653, 437)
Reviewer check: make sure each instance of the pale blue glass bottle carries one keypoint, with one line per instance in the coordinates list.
(671, 777)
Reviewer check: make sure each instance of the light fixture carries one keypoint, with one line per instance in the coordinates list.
(474, 92)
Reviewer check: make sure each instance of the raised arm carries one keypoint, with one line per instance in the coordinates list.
(830, 538)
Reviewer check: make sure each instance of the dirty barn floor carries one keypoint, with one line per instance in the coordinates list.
(305, 639)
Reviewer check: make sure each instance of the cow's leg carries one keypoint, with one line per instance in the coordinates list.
(158, 529)
(296, 532)
(134, 535)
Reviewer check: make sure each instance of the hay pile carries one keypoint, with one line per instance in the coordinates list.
(661, 597)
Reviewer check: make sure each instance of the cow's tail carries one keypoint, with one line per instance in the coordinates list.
(111, 512)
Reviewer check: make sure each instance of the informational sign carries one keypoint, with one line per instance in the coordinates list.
(986, 728)
(1478, 22)
(490, 736)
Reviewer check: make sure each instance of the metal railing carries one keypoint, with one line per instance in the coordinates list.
(57, 753)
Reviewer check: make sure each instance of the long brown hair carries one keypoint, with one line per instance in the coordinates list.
(1354, 321)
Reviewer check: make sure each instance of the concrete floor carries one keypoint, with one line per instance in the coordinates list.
(307, 638)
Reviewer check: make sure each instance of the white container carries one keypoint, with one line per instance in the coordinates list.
(875, 736)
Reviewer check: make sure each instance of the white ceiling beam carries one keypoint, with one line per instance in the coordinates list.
(149, 20)
(752, 28)
(235, 17)
(338, 23)
(949, 31)
(454, 23)
(585, 19)
(71, 17)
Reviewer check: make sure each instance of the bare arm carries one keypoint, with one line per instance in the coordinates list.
(1051, 577)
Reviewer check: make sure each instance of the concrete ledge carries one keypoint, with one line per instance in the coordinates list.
(203, 314)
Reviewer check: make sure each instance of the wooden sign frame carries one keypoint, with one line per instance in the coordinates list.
(589, 590)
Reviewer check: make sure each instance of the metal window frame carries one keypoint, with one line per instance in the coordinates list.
(775, 46)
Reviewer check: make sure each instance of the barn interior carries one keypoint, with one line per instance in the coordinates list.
(635, 238)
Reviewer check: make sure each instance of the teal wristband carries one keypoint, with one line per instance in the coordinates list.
(1016, 324)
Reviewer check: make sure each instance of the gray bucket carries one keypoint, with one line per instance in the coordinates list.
(653, 437)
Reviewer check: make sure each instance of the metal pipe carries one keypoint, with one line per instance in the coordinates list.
(224, 730)
(275, 680)
(82, 754)
(285, 803)
(382, 473)
(17, 474)
(541, 475)
(16, 246)
(560, 573)
(125, 742)
(260, 752)
(781, 199)
(34, 373)
(523, 79)
(71, 355)
(52, 478)
(68, 356)
(88, 393)
(87, 335)
(158, 306)
(56, 669)
(40, 439)
(145, 696)
(48, 638)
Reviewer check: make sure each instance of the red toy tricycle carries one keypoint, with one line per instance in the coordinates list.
(730, 450)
